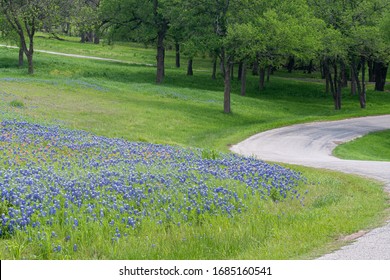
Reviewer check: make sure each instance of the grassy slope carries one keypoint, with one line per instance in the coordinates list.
(184, 110)
(120, 100)
(374, 146)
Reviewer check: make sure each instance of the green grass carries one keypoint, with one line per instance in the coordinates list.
(373, 146)
(16, 103)
(122, 100)
(134, 53)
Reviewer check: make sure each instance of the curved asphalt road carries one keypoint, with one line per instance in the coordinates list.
(312, 145)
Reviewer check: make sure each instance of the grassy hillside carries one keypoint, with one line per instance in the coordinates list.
(121, 100)
(374, 146)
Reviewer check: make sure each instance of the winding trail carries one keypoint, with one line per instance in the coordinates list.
(312, 145)
(83, 56)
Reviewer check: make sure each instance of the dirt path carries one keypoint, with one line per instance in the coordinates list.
(312, 145)
(83, 56)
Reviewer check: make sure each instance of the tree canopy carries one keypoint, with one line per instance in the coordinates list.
(25, 18)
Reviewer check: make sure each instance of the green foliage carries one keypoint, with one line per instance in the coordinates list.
(210, 154)
(16, 103)
(275, 195)
(334, 44)
(24, 18)
(326, 200)
(6, 32)
(129, 20)
(385, 27)
(384, 33)
(272, 31)
(4, 205)
(352, 26)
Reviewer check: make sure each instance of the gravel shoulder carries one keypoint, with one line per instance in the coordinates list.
(312, 145)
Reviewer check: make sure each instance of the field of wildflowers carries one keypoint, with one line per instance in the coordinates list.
(56, 184)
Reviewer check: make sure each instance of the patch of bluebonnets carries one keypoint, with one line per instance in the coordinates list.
(50, 174)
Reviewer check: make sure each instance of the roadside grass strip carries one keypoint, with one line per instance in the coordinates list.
(57, 185)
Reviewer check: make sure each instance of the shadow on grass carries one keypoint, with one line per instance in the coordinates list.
(300, 91)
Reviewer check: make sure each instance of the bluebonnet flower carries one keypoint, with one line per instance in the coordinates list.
(123, 182)
(57, 248)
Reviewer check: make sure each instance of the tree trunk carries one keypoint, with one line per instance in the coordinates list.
(214, 75)
(353, 81)
(322, 68)
(269, 70)
(337, 87)
(243, 79)
(327, 75)
(340, 81)
(240, 70)
(331, 81)
(227, 66)
(86, 37)
(331, 84)
(380, 75)
(232, 71)
(82, 37)
(344, 80)
(255, 68)
(21, 55)
(190, 72)
(90, 36)
(371, 70)
(160, 56)
(162, 28)
(362, 97)
(310, 67)
(28, 51)
(262, 78)
(355, 73)
(66, 28)
(177, 48)
(290, 64)
(96, 39)
(222, 67)
(30, 62)
(338, 95)
(227, 91)
(327, 84)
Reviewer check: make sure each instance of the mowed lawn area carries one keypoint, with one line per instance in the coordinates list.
(122, 101)
(373, 146)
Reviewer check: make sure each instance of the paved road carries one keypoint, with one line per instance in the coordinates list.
(312, 145)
